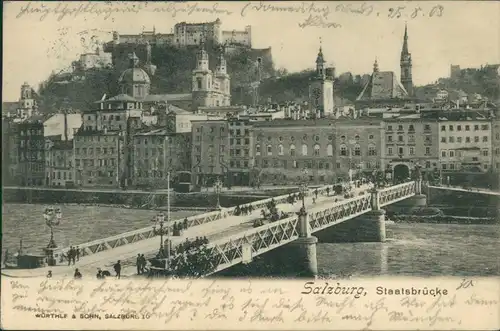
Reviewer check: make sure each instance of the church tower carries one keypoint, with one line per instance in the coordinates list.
(149, 66)
(321, 89)
(405, 63)
(202, 80)
(27, 102)
(224, 80)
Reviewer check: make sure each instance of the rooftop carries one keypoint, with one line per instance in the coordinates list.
(382, 85)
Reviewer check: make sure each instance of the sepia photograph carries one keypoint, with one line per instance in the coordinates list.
(319, 165)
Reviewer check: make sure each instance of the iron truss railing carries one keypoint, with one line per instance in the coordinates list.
(396, 193)
(130, 237)
(231, 251)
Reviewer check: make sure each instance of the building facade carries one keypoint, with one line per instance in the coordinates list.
(241, 152)
(210, 152)
(409, 141)
(495, 144)
(284, 150)
(32, 152)
(158, 152)
(59, 163)
(358, 147)
(99, 158)
(465, 142)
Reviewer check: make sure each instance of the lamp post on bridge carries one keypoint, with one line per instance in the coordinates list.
(218, 189)
(162, 231)
(303, 189)
(52, 218)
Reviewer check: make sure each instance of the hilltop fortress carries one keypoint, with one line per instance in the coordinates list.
(187, 34)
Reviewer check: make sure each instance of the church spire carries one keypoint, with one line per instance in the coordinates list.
(320, 62)
(404, 51)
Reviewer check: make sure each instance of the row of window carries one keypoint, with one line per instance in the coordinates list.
(98, 163)
(467, 139)
(343, 151)
(34, 144)
(96, 138)
(145, 152)
(99, 173)
(239, 164)
(411, 138)
(401, 151)
(150, 173)
(65, 175)
(458, 166)
(467, 127)
(238, 132)
(294, 164)
(98, 150)
(238, 141)
(111, 117)
(60, 163)
(452, 153)
(31, 132)
(411, 128)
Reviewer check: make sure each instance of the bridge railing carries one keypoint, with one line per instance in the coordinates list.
(129, 237)
(230, 251)
(396, 193)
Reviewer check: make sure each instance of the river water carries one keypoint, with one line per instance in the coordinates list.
(415, 249)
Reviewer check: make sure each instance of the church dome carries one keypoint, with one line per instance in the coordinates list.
(134, 75)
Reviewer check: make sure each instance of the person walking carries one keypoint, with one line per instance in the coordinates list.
(143, 264)
(49, 274)
(77, 274)
(118, 269)
(138, 263)
(77, 251)
(69, 255)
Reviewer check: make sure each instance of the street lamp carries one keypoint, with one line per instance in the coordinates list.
(303, 188)
(218, 189)
(52, 218)
(161, 231)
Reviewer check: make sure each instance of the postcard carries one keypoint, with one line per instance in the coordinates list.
(257, 165)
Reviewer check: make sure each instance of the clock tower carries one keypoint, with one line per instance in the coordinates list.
(321, 89)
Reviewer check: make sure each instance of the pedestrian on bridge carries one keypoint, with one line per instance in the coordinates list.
(77, 274)
(77, 251)
(185, 223)
(118, 269)
(49, 274)
(138, 263)
(328, 191)
(144, 262)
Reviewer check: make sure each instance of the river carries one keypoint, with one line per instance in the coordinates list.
(412, 249)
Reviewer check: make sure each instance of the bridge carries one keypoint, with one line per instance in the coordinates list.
(233, 237)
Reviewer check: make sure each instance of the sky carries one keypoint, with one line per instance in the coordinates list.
(40, 38)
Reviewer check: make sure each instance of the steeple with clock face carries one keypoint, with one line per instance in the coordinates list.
(321, 89)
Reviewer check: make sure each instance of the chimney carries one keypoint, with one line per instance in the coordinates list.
(65, 125)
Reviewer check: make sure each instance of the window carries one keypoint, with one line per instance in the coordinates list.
(412, 151)
(451, 127)
(443, 127)
(269, 150)
(459, 139)
(304, 149)
(467, 139)
(292, 150)
(280, 149)
(485, 139)
(400, 127)
(370, 137)
(389, 151)
(467, 128)
(257, 149)
(427, 127)
(443, 153)
(459, 128)
(476, 139)
(316, 149)
(316, 138)
(485, 152)
(451, 139)
(411, 128)
(343, 150)
(476, 127)
(427, 164)
(371, 150)
(329, 150)
(401, 151)
(389, 138)
(389, 128)
(443, 139)
(400, 138)
(199, 82)
(427, 151)
(356, 137)
(411, 138)
(357, 150)
(452, 153)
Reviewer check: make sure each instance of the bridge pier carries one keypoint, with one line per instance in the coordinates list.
(303, 262)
